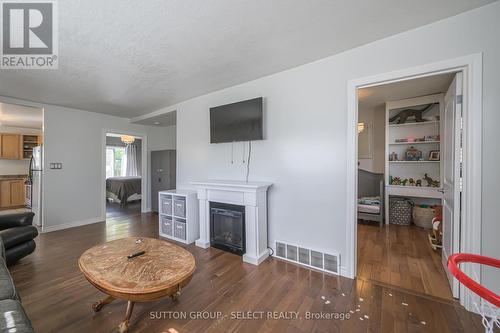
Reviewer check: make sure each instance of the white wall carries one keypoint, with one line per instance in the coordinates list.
(163, 138)
(304, 151)
(376, 118)
(73, 137)
(16, 167)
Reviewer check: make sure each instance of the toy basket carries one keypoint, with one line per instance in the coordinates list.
(400, 211)
(422, 216)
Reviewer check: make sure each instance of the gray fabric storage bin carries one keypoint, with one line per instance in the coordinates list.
(166, 204)
(180, 206)
(180, 229)
(167, 225)
(400, 211)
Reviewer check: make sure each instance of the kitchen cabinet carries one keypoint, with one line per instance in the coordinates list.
(12, 193)
(10, 146)
(29, 141)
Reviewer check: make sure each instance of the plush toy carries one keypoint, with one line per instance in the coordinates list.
(437, 227)
(411, 182)
(404, 181)
(419, 182)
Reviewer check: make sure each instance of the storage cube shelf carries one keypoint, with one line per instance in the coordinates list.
(178, 215)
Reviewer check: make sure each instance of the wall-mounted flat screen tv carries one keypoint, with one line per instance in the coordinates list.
(241, 121)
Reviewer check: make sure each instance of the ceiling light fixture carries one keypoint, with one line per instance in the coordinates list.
(127, 139)
(361, 127)
(156, 123)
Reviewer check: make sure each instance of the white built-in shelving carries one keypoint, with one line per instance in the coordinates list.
(413, 143)
(411, 130)
(429, 122)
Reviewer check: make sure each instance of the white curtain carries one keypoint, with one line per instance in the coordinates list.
(131, 165)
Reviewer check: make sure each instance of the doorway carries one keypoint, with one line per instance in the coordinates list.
(469, 216)
(124, 174)
(21, 160)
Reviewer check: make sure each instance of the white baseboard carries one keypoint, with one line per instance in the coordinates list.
(73, 224)
(256, 260)
(202, 243)
(343, 272)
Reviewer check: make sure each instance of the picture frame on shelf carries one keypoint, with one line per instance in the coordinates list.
(434, 155)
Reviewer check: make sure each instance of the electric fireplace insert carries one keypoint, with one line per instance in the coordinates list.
(227, 227)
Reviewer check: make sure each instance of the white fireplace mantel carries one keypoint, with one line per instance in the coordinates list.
(252, 195)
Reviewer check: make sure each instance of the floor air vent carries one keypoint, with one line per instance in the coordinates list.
(281, 250)
(308, 257)
(331, 263)
(317, 259)
(304, 255)
(291, 252)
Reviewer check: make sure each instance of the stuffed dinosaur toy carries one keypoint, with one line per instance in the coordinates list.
(403, 115)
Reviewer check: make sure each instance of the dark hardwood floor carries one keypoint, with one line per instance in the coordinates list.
(114, 210)
(57, 298)
(401, 256)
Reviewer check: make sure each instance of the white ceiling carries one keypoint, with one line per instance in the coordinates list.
(20, 116)
(373, 97)
(128, 58)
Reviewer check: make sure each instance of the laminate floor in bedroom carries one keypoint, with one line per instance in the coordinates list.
(402, 257)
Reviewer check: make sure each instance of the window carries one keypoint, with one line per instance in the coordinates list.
(116, 159)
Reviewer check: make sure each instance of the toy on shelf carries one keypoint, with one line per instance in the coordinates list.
(413, 154)
(431, 182)
(431, 138)
(403, 115)
(396, 181)
(419, 183)
(411, 182)
(393, 156)
(436, 238)
(404, 181)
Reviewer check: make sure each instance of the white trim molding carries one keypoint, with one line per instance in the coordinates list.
(470, 234)
(71, 224)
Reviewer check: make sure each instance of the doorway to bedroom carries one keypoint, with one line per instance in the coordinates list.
(123, 175)
(409, 160)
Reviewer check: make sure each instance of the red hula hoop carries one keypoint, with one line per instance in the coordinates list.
(453, 262)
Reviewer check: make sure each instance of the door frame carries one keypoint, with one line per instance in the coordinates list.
(470, 231)
(145, 200)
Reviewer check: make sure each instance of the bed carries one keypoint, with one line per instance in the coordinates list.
(370, 196)
(123, 189)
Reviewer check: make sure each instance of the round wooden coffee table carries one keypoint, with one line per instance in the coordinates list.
(161, 271)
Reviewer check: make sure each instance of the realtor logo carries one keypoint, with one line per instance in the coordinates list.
(29, 34)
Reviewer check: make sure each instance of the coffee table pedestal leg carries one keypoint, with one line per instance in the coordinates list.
(175, 296)
(97, 306)
(123, 327)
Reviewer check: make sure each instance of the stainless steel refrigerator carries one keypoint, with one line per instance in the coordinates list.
(36, 174)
